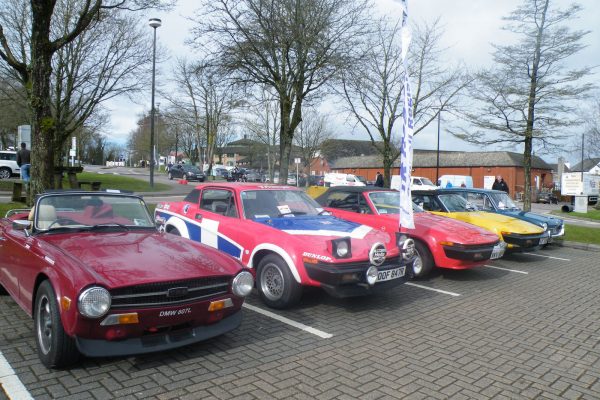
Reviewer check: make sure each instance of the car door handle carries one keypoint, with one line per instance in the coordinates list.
(2, 239)
(198, 217)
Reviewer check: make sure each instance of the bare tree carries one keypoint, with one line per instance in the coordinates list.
(529, 94)
(592, 125)
(312, 132)
(35, 67)
(373, 89)
(263, 123)
(13, 110)
(208, 100)
(292, 46)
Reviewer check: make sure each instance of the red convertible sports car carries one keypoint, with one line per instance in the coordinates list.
(286, 238)
(100, 279)
(439, 241)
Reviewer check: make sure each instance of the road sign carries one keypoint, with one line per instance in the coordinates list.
(297, 160)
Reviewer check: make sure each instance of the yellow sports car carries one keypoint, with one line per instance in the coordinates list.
(517, 234)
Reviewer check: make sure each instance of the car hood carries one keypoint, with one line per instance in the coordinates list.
(495, 222)
(452, 230)
(122, 258)
(533, 217)
(316, 232)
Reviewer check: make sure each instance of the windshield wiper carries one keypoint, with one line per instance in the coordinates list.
(108, 225)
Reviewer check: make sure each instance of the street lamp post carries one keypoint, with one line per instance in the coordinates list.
(437, 161)
(154, 23)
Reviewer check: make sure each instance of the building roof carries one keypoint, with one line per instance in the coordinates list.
(333, 149)
(587, 165)
(427, 159)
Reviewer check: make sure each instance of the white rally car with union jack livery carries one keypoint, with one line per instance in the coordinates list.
(288, 240)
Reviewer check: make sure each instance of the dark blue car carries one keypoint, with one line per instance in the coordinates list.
(499, 202)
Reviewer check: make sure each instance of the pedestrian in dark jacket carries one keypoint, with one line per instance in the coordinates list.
(499, 184)
(24, 162)
(379, 180)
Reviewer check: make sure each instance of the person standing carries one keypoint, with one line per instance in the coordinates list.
(499, 184)
(379, 180)
(24, 162)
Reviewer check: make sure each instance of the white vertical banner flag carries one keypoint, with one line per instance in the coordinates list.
(406, 144)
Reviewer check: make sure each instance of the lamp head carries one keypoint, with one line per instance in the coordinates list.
(154, 22)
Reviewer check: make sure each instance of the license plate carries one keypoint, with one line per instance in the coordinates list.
(390, 274)
(497, 252)
(544, 240)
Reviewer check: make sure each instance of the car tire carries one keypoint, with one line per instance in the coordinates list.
(55, 348)
(170, 176)
(174, 231)
(3, 292)
(5, 173)
(276, 284)
(423, 263)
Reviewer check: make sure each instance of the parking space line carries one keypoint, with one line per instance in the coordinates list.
(306, 328)
(541, 255)
(507, 269)
(10, 382)
(432, 289)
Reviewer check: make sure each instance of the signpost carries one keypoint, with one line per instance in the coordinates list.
(73, 150)
(584, 186)
(297, 161)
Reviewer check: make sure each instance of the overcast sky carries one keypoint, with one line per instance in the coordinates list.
(470, 28)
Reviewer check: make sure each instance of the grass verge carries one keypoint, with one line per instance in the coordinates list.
(110, 181)
(582, 234)
(591, 214)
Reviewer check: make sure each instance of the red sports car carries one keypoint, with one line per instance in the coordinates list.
(439, 241)
(286, 238)
(101, 280)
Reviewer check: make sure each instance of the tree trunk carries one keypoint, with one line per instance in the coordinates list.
(43, 128)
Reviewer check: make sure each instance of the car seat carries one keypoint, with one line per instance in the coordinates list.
(46, 216)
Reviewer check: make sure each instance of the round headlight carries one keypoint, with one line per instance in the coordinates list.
(94, 302)
(545, 226)
(372, 275)
(342, 249)
(377, 254)
(242, 284)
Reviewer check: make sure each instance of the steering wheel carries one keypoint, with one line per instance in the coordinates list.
(64, 221)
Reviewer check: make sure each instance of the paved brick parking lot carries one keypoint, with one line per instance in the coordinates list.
(527, 328)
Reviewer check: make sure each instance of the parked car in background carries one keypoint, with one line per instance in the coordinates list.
(253, 176)
(338, 179)
(439, 241)
(517, 234)
(288, 240)
(497, 201)
(8, 164)
(546, 198)
(417, 183)
(291, 179)
(455, 181)
(99, 279)
(189, 172)
(316, 180)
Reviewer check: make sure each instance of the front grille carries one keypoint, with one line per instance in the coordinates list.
(523, 240)
(390, 262)
(167, 293)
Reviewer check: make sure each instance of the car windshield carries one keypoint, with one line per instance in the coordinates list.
(388, 202)
(503, 201)
(456, 203)
(426, 181)
(278, 203)
(361, 178)
(85, 210)
(192, 168)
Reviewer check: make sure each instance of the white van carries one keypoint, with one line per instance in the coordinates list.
(335, 179)
(455, 181)
(417, 183)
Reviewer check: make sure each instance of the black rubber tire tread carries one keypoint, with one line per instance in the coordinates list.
(292, 290)
(63, 351)
(174, 231)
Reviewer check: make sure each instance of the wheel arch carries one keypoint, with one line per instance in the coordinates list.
(262, 250)
(179, 224)
(42, 276)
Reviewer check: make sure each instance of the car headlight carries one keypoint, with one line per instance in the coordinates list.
(190, 173)
(406, 245)
(372, 275)
(242, 284)
(545, 226)
(340, 248)
(94, 302)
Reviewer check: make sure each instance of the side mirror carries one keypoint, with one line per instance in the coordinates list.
(21, 225)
